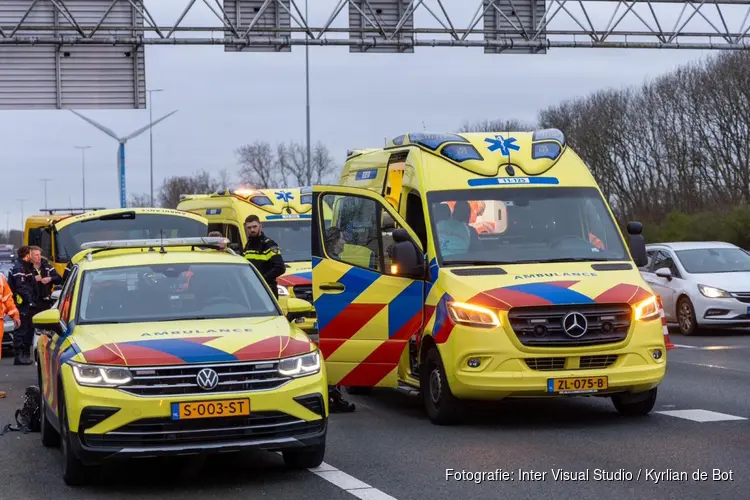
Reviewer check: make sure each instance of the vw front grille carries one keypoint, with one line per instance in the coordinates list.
(265, 425)
(542, 326)
(180, 380)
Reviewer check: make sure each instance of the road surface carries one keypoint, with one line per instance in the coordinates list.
(388, 449)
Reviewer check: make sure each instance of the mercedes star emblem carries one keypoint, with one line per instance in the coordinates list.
(575, 324)
(207, 379)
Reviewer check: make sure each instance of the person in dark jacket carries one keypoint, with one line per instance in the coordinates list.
(263, 253)
(26, 292)
(46, 278)
(334, 246)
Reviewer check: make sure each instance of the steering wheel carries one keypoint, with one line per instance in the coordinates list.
(560, 239)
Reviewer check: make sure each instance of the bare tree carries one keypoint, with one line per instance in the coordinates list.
(259, 167)
(199, 183)
(139, 200)
(511, 125)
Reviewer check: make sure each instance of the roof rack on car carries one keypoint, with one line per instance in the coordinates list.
(218, 243)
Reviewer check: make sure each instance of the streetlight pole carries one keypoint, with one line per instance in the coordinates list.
(45, 181)
(23, 221)
(151, 137)
(307, 90)
(83, 173)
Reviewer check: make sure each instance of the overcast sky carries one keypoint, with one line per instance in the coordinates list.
(226, 100)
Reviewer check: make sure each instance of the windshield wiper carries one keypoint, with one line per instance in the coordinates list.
(578, 259)
(477, 263)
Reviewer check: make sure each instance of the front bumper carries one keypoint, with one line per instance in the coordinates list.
(509, 369)
(721, 313)
(110, 424)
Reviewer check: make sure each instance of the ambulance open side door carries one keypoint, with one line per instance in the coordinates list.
(367, 311)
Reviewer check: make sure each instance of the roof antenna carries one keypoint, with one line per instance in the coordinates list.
(161, 232)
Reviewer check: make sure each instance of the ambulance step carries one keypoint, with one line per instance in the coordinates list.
(407, 389)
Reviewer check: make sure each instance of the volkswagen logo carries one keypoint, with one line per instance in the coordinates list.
(575, 324)
(207, 379)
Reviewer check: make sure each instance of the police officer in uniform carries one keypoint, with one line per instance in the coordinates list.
(26, 291)
(263, 253)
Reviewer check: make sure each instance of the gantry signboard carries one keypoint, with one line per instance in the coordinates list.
(90, 53)
(82, 76)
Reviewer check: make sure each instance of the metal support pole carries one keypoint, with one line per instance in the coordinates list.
(45, 181)
(23, 221)
(307, 90)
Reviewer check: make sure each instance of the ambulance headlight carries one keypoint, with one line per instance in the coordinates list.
(472, 315)
(647, 310)
(282, 290)
(300, 366)
(100, 376)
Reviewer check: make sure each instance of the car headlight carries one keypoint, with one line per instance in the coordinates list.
(282, 290)
(712, 292)
(469, 314)
(100, 376)
(300, 366)
(647, 309)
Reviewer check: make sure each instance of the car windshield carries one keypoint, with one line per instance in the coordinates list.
(141, 226)
(171, 292)
(523, 225)
(714, 260)
(293, 238)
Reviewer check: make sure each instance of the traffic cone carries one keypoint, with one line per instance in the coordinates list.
(667, 341)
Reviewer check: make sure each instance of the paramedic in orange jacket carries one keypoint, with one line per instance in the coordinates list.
(7, 308)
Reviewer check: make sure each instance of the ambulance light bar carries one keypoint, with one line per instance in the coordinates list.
(207, 241)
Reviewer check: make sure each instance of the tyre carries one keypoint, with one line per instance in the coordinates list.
(686, 317)
(305, 458)
(442, 407)
(74, 471)
(50, 436)
(635, 405)
(359, 391)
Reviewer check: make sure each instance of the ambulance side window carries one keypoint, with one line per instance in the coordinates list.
(415, 217)
(355, 233)
(35, 237)
(46, 243)
(230, 231)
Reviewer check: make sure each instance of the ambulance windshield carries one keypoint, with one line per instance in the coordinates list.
(523, 225)
(293, 238)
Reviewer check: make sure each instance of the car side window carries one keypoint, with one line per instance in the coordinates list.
(650, 256)
(355, 233)
(664, 259)
(66, 296)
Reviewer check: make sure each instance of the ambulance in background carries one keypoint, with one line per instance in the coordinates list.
(286, 216)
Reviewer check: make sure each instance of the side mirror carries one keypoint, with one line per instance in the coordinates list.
(406, 259)
(297, 308)
(664, 272)
(48, 320)
(637, 244)
(56, 295)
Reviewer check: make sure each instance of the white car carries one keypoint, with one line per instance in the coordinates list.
(703, 285)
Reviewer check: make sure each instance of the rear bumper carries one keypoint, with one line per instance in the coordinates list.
(94, 454)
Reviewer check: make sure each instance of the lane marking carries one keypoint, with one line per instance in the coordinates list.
(348, 483)
(713, 347)
(700, 415)
(705, 365)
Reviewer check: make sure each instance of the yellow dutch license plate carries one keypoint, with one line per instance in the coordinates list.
(577, 385)
(211, 409)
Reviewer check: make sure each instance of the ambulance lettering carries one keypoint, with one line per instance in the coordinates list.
(554, 275)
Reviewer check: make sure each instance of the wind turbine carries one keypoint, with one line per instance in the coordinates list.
(121, 149)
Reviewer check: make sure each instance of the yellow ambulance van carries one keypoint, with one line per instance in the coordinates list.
(285, 215)
(544, 301)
